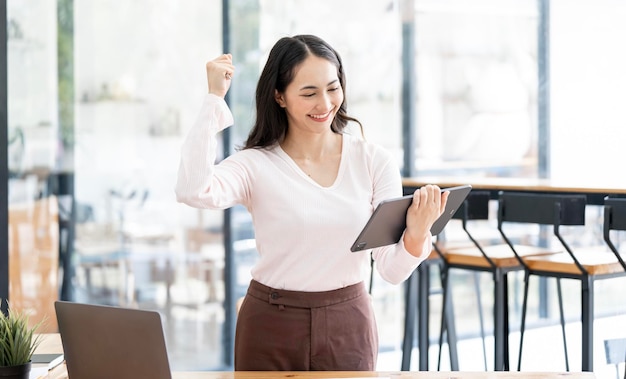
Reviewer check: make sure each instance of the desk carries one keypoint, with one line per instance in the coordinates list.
(595, 192)
(370, 374)
(390, 375)
(51, 343)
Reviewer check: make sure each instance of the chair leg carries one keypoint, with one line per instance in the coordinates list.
(562, 318)
(423, 315)
(409, 320)
(448, 326)
(523, 323)
(451, 336)
(587, 313)
(500, 323)
(507, 353)
(480, 317)
(445, 275)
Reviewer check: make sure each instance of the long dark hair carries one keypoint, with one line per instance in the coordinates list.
(271, 119)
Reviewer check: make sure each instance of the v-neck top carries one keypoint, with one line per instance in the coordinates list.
(290, 161)
(303, 231)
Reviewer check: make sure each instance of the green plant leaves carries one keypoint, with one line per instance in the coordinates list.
(18, 341)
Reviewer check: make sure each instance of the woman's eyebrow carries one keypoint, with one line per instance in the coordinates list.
(314, 87)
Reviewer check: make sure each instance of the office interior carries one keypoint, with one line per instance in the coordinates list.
(100, 94)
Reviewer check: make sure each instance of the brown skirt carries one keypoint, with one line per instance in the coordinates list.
(279, 330)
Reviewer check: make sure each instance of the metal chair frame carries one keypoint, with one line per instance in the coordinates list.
(417, 293)
(557, 210)
(476, 207)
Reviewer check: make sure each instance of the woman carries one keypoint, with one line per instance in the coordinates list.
(310, 187)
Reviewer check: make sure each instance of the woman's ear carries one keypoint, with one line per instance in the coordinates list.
(279, 98)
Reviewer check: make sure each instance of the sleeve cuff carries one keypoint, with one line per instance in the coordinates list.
(411, 259)
(223, 113)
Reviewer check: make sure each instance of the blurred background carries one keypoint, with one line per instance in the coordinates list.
(101, 94)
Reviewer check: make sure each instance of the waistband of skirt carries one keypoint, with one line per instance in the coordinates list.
(300, 299)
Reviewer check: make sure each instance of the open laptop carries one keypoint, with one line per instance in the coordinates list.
(111, 342)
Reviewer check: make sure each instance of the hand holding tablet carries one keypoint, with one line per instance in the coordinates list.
(387, 223)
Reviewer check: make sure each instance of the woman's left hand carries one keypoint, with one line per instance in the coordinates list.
(428, 204)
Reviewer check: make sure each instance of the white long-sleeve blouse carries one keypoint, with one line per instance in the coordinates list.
(303, 231)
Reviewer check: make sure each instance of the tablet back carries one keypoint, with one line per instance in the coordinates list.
(111, 342)
(387, 223)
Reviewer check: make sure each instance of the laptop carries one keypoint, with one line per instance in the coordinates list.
(111, 342)
(386, 225)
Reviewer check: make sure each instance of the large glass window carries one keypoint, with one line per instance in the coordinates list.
(476, 87)
(101, 95)
(139, 80)
(587, 80)
(33, 159)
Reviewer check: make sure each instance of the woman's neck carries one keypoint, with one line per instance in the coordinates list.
(312, 147)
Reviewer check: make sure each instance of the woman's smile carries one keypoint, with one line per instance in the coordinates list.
(321, 117)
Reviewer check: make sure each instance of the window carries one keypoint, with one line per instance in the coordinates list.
(587, 97)
(476, 87)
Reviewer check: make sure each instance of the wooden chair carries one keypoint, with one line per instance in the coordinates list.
(495, 258)
(34, 260)
(585, 265)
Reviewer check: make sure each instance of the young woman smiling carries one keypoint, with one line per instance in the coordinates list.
(310, 187)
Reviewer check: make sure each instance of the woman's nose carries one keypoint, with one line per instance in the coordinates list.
(325, 102)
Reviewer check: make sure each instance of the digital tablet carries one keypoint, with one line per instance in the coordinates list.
(387, 223)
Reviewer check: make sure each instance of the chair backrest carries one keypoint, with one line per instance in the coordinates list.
(614, 219)
(542, 209)
(615, 209)
(475, 207)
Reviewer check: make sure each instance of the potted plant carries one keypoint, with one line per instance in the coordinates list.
(18, 342)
